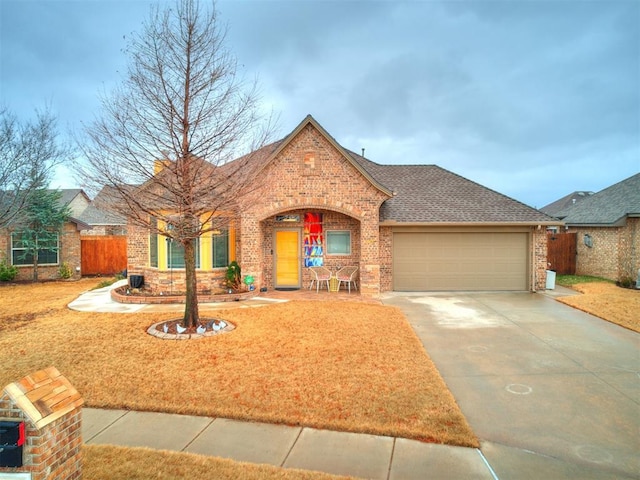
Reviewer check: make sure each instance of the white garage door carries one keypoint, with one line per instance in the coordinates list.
(460, 261)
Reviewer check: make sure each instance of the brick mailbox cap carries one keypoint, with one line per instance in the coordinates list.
(44, 396)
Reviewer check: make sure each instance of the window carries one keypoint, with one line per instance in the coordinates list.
(47, 250)
(175, 254)
(338, 243)
(220, 253)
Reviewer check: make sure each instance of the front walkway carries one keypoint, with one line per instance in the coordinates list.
(99, 300)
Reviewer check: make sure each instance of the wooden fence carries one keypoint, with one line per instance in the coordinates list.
(103, 254)
(561, 252)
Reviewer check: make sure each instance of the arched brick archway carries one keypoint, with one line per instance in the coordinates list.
(257, 244)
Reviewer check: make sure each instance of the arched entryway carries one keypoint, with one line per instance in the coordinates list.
(298, 239)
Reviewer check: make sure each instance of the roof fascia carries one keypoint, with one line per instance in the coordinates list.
(80, 225)
(394, 223)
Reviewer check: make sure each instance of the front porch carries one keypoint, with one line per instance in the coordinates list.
(295, 240)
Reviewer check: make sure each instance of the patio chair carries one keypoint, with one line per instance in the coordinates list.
(347, 275)
(318, 275)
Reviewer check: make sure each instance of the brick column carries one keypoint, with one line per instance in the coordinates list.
(369, 256)
(50, 408)
(249, 253)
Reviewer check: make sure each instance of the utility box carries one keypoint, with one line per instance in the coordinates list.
(136, 281)
(551, 280)
(11, 441)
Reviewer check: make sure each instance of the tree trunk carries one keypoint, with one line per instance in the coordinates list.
(191, 314)
(35, 266)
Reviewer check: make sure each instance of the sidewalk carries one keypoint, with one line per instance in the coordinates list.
(338, 453)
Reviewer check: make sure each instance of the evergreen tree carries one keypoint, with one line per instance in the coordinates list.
(40, 230)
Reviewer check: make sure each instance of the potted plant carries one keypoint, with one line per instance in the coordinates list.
(248, 281)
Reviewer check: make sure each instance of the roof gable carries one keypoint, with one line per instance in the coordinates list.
(608, 207)
(309, 120)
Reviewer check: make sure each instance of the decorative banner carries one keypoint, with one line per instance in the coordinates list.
(313, 240)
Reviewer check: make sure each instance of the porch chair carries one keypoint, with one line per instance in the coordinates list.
(347, 275)
(319, 274)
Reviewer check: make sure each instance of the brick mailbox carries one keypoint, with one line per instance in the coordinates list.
(11, 441)
(41, 427)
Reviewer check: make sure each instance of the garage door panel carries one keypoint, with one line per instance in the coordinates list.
(460, 261)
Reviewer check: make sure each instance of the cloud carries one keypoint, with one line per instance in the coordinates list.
(533, 99)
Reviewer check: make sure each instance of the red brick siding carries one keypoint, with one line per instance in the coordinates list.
(629, 249)
(137, 249)
(290, 184)
(615, 252)
(539, 248)
(69, 252)
(331, 221)
(52, 452)
(601, 260)
(386, 259)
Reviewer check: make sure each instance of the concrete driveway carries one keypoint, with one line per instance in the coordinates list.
(551, 392)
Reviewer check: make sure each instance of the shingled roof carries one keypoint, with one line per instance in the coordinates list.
(608, 207)
(98, 213)
(431, 194)
(554, 208)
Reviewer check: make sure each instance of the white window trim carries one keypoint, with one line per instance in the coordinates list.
(15, 249)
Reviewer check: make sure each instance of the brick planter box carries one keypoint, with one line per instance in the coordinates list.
(120, 295)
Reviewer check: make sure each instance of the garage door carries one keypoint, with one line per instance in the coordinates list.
(460, 261)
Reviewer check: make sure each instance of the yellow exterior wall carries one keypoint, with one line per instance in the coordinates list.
(206, 250)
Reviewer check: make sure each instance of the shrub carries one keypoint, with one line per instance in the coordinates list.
(65, 271)
(8, 273)
(626, 282)
(233, 277)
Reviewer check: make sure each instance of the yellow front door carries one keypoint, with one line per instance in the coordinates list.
(287, 260)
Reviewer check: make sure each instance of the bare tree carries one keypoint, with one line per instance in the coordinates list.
(29, 153)
(182, 105)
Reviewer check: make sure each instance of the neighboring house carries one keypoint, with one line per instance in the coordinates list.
(565, 202)
(76, 199)
(608, 228)
(66, 249)
(406, 227)
(100, 218)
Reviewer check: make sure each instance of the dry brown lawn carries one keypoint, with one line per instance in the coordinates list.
(106, 462)
(334, 365)
(609, 302)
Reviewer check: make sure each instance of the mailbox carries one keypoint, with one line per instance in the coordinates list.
(11, 441)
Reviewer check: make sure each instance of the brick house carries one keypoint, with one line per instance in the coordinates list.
(67, 249)
(406, 227)
(608, 228)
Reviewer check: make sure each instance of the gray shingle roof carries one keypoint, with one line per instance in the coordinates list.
(98, 213)
(565, 202)
(428, 193)
(68, 194)
(608, 207)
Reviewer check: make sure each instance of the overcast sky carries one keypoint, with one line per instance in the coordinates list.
(534, 99)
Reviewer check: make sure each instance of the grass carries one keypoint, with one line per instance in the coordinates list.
(602, 298)
(107, 462)
(571, 280)
(333, 365)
